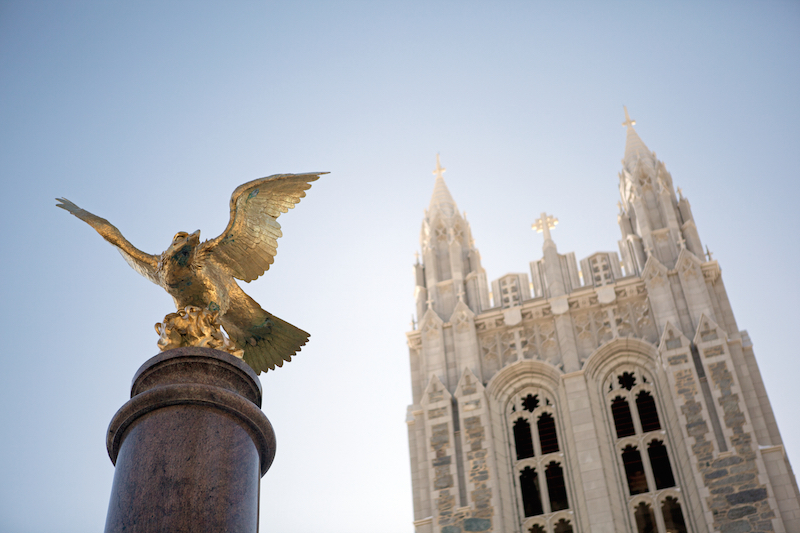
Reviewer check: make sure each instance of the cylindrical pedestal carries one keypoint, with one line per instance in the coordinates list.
(190, 446)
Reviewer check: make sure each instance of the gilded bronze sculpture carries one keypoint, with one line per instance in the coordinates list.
(200, 276)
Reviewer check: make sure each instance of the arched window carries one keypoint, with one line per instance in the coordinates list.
(648, 415)
(547, 433)
(529, 485)
(659, 461)
(540, 467)
(645, 519)
(643, 449)
(623, 421)
(673, 517)
(522, 439)
(634, 470)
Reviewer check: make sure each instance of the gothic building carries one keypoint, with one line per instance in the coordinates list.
(607, 395)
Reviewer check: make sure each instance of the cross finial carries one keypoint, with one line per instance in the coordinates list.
(413, 322)
(460, 293)
(430, 302)
(439, 168)
(682, 242)
(628, 122)
(416, 257)
(544, 225)
(708, 253)
(680, 193)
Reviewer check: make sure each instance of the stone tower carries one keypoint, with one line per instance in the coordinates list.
(628, 401)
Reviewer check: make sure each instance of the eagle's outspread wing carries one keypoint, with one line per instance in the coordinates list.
(246, 249)
(248, 245)
(143, 263)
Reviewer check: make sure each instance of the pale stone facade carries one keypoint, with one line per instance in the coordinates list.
(628, 401)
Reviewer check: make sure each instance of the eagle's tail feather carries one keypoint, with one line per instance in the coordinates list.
(276, 341)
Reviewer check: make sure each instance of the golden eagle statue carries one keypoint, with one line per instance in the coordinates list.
(200, 276)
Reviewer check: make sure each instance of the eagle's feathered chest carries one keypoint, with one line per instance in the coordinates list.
(186, 279)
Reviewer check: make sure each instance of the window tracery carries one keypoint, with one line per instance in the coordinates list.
(560, 522)
(539, 467)
(642, 451)
(563, 526)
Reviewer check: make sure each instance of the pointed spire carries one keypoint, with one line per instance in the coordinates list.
(635, 148)
(441, 195)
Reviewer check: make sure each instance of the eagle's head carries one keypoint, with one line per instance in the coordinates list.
(182, 238)
(183, 244)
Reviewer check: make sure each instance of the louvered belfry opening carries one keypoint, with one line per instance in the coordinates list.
(648, 415)
(645, 519)
(523, 440)
(563, 526)
(634, 470)
(529, 486)
(547, 433)
(556, 487)
(673, 517)
(659, 462)
(623, 420)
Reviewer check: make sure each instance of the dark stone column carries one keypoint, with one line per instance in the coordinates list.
(190, 446)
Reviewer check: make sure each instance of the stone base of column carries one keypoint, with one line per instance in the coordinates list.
(190, 446)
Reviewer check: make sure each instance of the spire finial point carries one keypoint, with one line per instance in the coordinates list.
(628, 122)
(441, 199)
(439, 168)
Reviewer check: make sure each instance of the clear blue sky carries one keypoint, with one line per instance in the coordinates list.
(151, 113)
